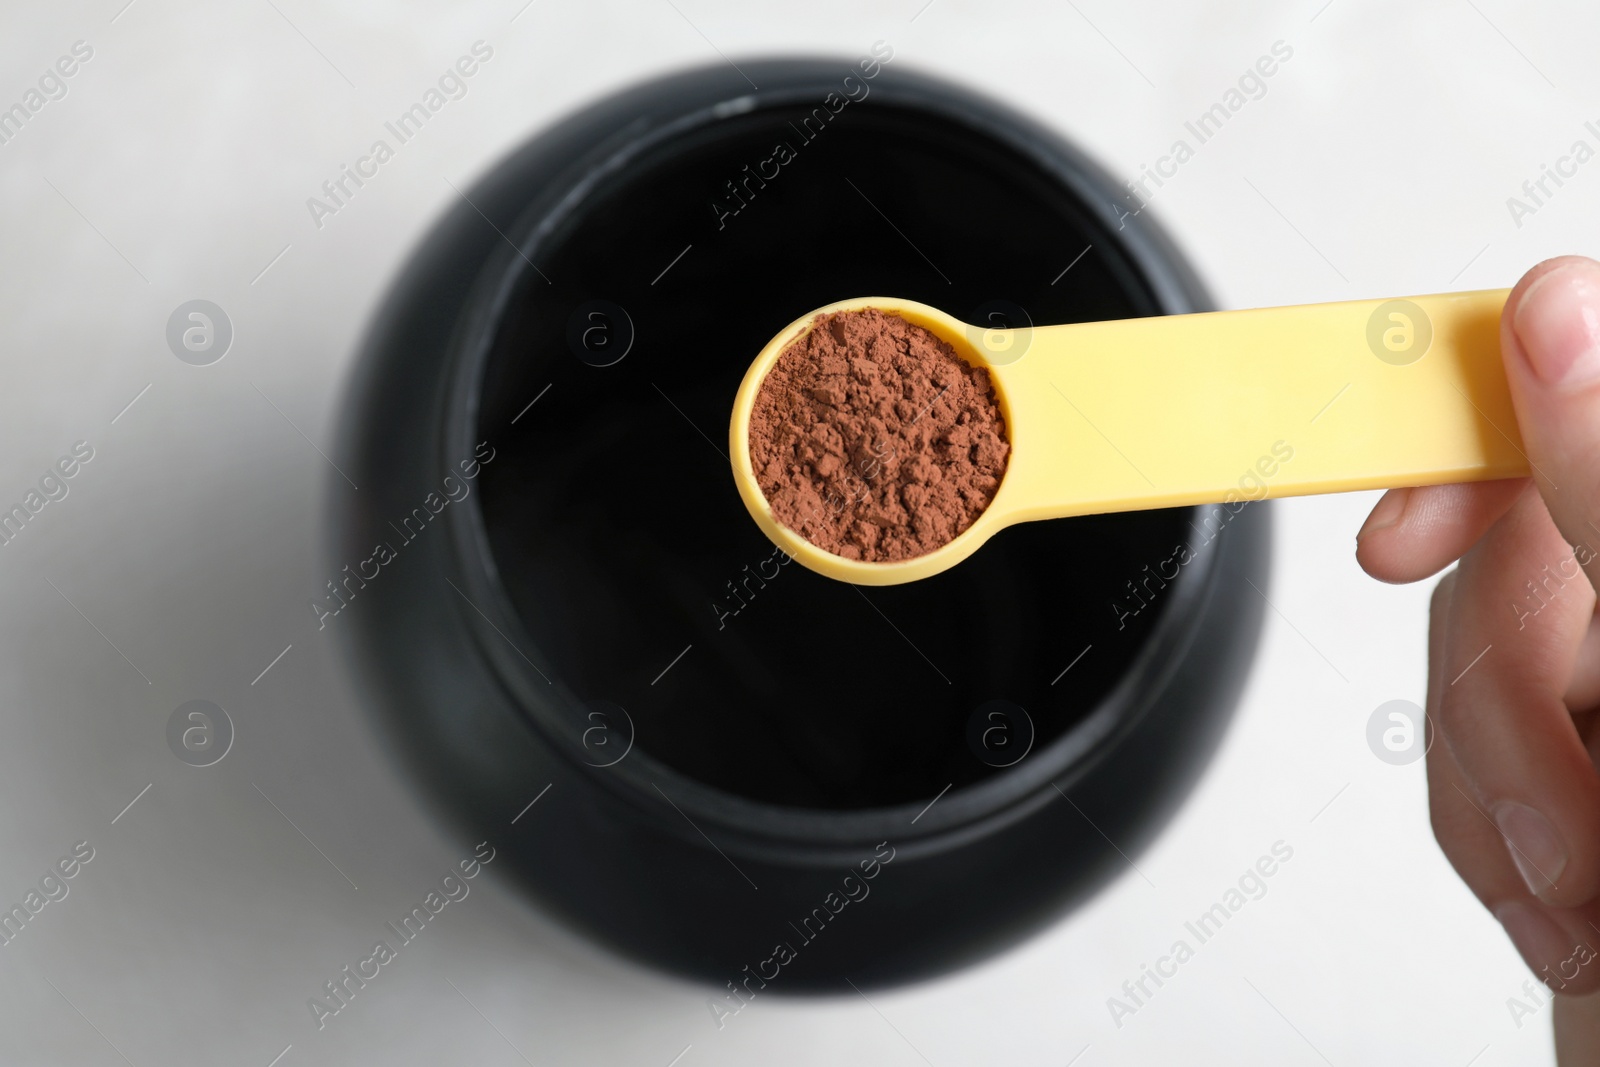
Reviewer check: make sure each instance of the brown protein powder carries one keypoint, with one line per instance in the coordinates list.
(874, 440)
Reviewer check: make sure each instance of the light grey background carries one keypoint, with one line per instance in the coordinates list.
(178, 567)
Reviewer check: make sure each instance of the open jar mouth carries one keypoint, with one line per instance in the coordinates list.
(647, 615)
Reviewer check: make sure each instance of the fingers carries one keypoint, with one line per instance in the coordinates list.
(1414, 533)
(1515, 648)
(1550, 342)
(1519, 611)
(1558, 944)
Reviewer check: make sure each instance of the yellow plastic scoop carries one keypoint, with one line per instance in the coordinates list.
(1216, 408)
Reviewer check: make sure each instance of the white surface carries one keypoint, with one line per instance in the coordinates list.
(1390, 142)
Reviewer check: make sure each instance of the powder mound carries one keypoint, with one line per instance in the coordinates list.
(874, 440)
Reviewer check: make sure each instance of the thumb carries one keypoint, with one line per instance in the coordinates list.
(1550, 340)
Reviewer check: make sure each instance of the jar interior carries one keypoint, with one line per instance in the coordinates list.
(610, 508)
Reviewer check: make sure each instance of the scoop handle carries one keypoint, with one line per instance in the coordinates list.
(1241, 405)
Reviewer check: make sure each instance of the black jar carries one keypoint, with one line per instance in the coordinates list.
(736, 767)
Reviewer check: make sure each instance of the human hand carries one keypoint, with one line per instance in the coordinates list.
(1514, 648)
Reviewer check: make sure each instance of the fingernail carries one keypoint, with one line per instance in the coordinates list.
(1536, 848)
(1387, 513)
(1539, 940)
(1558, 323)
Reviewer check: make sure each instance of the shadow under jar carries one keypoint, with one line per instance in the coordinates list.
(741, 754)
